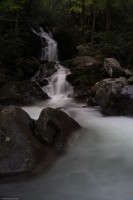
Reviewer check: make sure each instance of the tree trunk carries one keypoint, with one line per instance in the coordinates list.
(94, 21)
(83, 14)
(107, 21)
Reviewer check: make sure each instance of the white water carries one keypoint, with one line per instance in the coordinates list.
(59, 89)
(49, 51)
(98, 164)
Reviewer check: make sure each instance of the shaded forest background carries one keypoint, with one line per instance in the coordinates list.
(98, 28)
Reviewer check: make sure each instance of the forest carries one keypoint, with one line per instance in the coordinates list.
(98, 28)
(66, 99)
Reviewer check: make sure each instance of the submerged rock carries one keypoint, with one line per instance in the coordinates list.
(19, 149)
(54, 127)
(112, 67)
(21, 93)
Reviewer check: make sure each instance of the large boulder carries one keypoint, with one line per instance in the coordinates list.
(19, 149)
(112, 67)
(86, 71)
(115, 96)
(46, 70)
(54, 127)
(112, 82)
(21, 93)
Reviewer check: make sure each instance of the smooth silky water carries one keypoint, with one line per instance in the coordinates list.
(98, 163)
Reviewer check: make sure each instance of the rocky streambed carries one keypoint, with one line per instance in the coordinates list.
(24, 141)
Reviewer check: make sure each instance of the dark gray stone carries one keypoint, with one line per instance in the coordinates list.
(21, 93)
(112, 67)
(46, 70)
(86, 71)
(115, 96)
(54, 127)
(19, 149)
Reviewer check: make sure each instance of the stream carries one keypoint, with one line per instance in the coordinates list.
(98, 162)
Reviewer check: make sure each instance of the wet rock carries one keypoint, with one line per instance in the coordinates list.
(80, 94)
(91, 101)
(115, 97)
(19, 149)
(21, 93)
(42, 82)
(49, 69)
(46, 70)
(112, 67)
(54, 127)
(86, 71)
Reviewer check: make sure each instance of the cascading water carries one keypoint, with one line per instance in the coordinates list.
(49, 51)
(98, 164)
(58, 88)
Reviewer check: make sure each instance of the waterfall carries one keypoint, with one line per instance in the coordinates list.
(49, 50)
(98, 163)
(58, 88)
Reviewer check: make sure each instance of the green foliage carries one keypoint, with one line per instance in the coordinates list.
(104, 27)
(26, 68)
(9, 5)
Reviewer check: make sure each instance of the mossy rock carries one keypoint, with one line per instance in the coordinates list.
(19, 149)
(21, 93)
(86, 71)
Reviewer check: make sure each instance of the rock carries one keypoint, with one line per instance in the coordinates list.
(115, 96)
(108, 81)
(21, 93)
(130, 80)
(54, 127)
(43, 82)
(49, 69)
(86, 71)
(80, 94)
(112, 67)
(46, 70)
(127, 73)
(19, 149)
(86, 63)
(91, 101)
(95, 87)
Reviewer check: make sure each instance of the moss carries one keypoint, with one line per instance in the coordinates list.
(26, 68)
